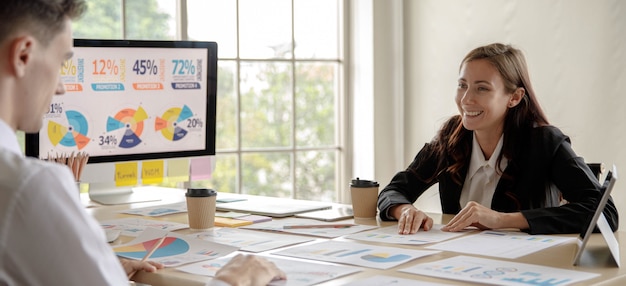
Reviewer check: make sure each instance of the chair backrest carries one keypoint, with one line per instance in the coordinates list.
(556, 197)
(596, 168)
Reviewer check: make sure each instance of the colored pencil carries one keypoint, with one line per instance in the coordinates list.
(303, 226)
(156, 246)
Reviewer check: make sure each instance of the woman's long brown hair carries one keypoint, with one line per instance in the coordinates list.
(452, 145)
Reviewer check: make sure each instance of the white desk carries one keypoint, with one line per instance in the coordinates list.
(559, 256)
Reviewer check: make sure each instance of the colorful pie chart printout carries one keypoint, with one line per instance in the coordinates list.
(131, 122)
(70, 133)
(379, 257)
(171, 123)
(175, 250)
(170, 246)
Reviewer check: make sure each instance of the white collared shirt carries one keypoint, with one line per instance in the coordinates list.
(8, 139)
(482, 177)
(46, 236)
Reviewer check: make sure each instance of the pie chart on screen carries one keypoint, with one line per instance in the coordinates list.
(171, 246)
(170, 123)
(131, 121)
(72, 133)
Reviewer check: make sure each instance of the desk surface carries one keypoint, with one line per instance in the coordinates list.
(597, 259)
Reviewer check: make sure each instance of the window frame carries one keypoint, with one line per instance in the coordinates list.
(340, 149)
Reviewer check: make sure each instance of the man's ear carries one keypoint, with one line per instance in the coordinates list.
(21, 54)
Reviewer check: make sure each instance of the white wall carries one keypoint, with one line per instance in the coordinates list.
(376, 66)
(576, 52)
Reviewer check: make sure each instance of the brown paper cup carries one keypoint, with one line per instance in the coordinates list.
(364, 198)
(201, 209)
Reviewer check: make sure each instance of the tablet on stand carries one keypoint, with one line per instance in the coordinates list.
(594, 256)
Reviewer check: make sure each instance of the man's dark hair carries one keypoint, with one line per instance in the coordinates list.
(44, 18)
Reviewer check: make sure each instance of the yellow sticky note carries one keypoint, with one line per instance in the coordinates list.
(229, 222)
(152, 172)
(126, 174)
(178, 170)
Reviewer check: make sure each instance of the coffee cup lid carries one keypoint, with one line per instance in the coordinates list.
(200, 193)
(363, 183)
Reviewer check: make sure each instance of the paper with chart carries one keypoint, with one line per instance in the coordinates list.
(384, 280)
(134, 226)
(249, 240)
(390, 235)
(355, 253)
(175, 250)
(331, 232)
(498, 272)
(160, 210)
(299, 273)
(501, 244)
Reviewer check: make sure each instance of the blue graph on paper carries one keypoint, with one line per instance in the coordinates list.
(489, 271)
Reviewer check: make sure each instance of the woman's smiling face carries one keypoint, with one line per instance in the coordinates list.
(481, 97)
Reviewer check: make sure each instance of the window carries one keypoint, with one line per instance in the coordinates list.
(128, 19)
(280, 85)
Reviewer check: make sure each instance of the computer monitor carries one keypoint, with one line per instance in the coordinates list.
(129, 100)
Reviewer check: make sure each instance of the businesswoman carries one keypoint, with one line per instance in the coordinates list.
(499, 163)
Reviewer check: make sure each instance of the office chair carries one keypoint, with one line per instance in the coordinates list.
(557, 196)
(597, 169)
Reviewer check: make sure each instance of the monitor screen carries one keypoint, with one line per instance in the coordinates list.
(132, 100)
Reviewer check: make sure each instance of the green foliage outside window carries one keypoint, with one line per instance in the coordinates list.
(103, 20)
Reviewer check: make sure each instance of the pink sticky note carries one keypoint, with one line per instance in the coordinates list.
(201, 168)
(255, 218)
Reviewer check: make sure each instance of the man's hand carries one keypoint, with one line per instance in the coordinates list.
(132, 266)
(249, 270)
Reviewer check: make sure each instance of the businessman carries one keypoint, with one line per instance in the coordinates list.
(46, 237)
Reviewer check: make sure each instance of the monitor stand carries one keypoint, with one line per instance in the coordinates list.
(109, 194)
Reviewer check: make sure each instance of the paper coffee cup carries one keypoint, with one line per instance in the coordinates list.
(364, 198)
(201, 208)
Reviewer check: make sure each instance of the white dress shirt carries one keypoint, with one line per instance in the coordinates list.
(46, 237)
(216, 282)
(482, 178)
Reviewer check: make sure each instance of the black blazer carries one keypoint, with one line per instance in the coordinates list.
(531, 185)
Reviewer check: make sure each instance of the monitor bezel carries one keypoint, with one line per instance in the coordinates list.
(32, 139)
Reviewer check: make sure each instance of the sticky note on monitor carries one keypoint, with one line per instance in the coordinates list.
(126, 174)
(152, 172)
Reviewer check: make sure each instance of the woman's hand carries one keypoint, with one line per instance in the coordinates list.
(410, 219)
(481, 217)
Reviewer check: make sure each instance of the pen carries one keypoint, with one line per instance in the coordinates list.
(156, 246)
(300, 226)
